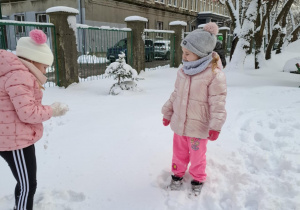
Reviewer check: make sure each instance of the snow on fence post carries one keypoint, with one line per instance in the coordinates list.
(178, 27)
(64, 20)
(137, 25)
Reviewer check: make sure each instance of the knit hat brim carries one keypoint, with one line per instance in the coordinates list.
(40, 53)
(189, 46)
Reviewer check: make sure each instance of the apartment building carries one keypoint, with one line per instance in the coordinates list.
(113, 12)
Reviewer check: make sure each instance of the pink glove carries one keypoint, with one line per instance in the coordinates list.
(166, 122)
(213, 135)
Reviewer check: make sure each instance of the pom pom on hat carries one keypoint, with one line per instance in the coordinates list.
(38, 36)
(34, 48)
(212, 28)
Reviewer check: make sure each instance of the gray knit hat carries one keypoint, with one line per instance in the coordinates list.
(201, 41)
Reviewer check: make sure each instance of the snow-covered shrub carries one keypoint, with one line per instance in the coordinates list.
(121, 71)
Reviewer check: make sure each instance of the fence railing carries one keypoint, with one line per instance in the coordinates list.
(99, 46)
(159, 45)
(12, 31)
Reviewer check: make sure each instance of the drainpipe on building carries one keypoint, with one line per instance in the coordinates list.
(81, 9)
(0, 12)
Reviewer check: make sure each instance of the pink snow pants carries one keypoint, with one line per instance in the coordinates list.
(187, 149)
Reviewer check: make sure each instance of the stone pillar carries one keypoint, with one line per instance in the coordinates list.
(176, 52)
(64, 20)
(137, 50)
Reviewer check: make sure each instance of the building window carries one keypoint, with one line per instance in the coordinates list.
(41, 18)
(187, 4)
(175, 3)
(20, 30)
(192, 2)
(170, 2)
(201, 6)
(181, 4)
(159, 26)
(196, 5)
(216, 8)
(147, 27)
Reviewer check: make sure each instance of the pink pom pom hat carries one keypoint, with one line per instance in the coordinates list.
(34, 48)
(202, 41)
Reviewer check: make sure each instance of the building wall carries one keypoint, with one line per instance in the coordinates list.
(31, 8)
(9, 8)
(103, 10)
(113, 12)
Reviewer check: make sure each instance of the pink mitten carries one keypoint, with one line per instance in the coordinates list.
(166, 122)
(213, 135)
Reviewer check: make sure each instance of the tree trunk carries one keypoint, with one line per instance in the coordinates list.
(283, 34)
(294, 34)
(249, 51)
(258, 44)
(271, 43)
(243, 44)
(282, 15)
(258, 36)
(233, 45)
(281, 40)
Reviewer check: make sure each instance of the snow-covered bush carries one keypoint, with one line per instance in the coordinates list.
(121, 71)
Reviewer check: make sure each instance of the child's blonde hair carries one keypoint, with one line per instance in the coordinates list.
(214, 62)
(41, 87)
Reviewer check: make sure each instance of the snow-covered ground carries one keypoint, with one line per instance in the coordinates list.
(91, 59)
(113, 153)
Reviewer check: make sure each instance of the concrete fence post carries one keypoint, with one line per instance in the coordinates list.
(178, 28)
(137, 25)
(64, 20)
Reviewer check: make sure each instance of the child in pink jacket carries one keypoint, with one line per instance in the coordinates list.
(196, 109)
(22, 114)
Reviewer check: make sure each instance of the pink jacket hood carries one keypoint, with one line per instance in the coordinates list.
(21, 110)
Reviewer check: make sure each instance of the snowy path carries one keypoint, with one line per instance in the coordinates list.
(112, 152)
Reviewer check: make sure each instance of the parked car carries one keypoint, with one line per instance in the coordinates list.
(162, 49)
(121, 46)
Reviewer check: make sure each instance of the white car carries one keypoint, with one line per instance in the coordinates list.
(162, 49)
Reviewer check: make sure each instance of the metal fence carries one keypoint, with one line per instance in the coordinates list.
(98, 47)
(159, 47)
(12, 31)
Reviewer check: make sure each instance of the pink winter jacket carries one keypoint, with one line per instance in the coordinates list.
(197, 104)
(21, 111)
